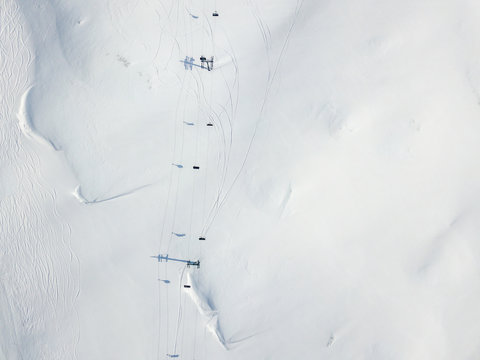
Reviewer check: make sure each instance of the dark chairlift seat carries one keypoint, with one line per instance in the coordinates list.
(209, 124)
(201, 238)
(215, 13)
(187, 286)
(196, 167)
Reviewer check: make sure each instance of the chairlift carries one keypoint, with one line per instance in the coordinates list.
(187, 286)
(215, 13)
(201, 238)
(209, 124)
(196, 167)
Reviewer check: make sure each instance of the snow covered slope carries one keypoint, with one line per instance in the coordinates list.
(337, 187)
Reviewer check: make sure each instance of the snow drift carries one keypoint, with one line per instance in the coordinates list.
(337, 187)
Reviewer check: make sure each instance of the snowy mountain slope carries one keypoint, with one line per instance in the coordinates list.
(39, 270)
(336, 188)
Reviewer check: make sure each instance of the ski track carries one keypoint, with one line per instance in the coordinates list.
(270, 79)
(178, 156)
(43, 265)
(223, 119)
(223, 116)
(39, 282)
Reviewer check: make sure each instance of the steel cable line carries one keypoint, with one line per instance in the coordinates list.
(165, 216)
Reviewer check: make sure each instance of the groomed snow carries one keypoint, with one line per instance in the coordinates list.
(337, 189)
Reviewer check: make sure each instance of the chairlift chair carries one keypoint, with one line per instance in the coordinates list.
(215, 13)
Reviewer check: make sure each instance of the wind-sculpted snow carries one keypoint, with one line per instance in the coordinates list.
(204, 307)
(25, 122)
(323, 175)
(39, 281)
(104, 104)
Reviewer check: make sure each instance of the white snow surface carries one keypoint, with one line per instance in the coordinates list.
(338, 187)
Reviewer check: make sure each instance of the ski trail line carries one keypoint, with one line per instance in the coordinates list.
(39, 280)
